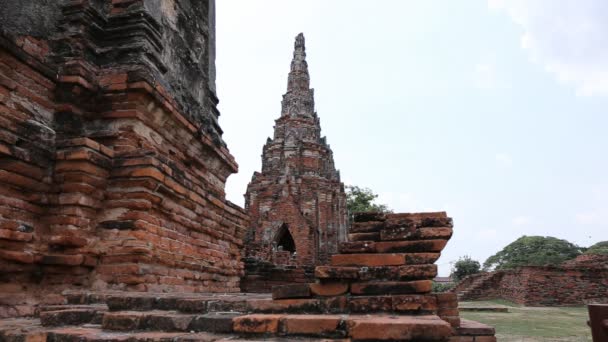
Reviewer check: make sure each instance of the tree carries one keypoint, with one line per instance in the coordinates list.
(533, 251)
(599, 248)
(361, 200)
(465, 266)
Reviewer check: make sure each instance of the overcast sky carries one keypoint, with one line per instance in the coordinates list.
(494, 111)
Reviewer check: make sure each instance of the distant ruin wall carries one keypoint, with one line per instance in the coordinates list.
(548, 286)
(112, 164)
(540, 286)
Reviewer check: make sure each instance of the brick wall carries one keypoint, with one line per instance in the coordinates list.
(570, 284)
(112, 165)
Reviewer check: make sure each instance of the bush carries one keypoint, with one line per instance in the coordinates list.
(442, 287)
(465, 266)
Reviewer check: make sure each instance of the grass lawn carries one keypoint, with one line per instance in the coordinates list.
(533, 324)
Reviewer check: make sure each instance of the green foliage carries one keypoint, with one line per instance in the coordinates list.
(599, 248)
(361, 200)
(465, 266)
(442, 287)
(533, 251)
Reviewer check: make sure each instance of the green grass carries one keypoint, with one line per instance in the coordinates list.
(533, 324)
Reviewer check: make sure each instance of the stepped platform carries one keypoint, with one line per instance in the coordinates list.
(377, 289)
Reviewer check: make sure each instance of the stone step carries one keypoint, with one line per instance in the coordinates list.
(351, 273)
(98, 307)
(168, 321)
(368, 246)
(383, 259)
(57, 315)
(383, 327)
(189, 303)
(377, 328)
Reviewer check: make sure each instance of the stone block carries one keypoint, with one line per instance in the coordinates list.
(316, 325)
(409, 303)
(257, 324)
(328, 289)
(391, 287)
(67, 317)
(286, 305)
(423, 246)
(400, 328)
(367, 259)
(357, 247)
(291, 291)
(368, 216)
(370, 304)
(366, 227)
(337, 272)
(130, 303)
(166, 321)
(213, 322)
(122, 321)
(375, 236)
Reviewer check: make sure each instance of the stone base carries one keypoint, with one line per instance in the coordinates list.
(117, 316)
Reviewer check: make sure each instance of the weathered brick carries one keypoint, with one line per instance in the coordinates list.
(370, 304)
(257, 323)
(410, 246)
(316, 325)
(402, 328)
(213, 322)
(327, 289)
(367, 259)
(392, 287)
(291, 291)
(337, 272)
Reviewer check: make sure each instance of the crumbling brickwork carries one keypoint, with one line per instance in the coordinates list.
(112, 164)
(377, 289)
(297, 203)
(580, 281)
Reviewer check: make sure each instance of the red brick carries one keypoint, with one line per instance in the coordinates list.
(410, 246)
(367, 259)
(336, 272)
(257, 323)
(401, 328)
(291, 291)
(286, 305)
(318, 325)
(15, 235)
(366, 227)
(370, 304)
(328, 289)
(22, 257)
(391, 287)
(408, 303)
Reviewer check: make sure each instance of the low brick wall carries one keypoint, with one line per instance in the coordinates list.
(542, 286)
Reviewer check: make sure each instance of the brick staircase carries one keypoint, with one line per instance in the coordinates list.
(475, 287)
(377, 289)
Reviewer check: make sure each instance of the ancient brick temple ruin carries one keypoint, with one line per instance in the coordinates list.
(579, 281)
(297, 204)
(112, 162)
(113, 220)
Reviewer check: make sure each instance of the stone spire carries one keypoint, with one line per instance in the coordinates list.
(299, 99)
(299, 189)
(299, 78)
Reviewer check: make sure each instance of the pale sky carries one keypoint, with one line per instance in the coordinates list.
(494, 111)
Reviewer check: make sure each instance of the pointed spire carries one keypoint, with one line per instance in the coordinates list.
(298, 76)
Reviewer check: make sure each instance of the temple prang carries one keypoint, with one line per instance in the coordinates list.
(297, 203)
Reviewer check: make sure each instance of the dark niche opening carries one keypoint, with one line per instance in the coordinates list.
(285, 240)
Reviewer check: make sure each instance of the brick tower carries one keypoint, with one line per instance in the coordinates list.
(297, 203)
